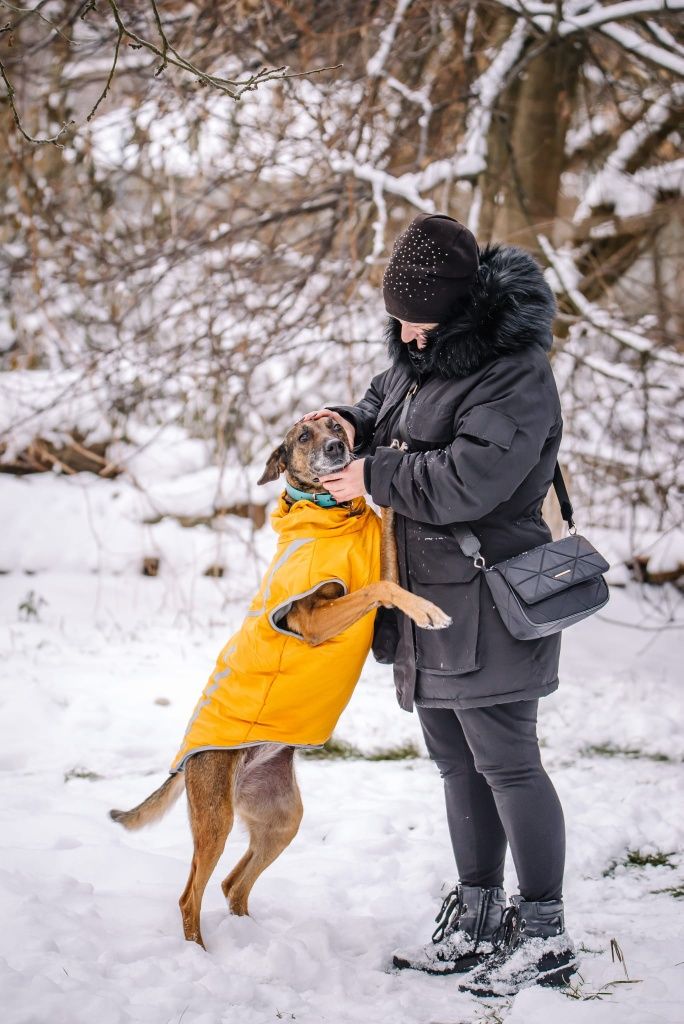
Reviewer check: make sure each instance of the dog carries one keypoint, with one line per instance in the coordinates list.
(325, 633)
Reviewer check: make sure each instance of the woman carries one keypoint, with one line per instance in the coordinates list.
(471, 394)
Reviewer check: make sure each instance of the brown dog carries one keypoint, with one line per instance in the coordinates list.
(258, 782)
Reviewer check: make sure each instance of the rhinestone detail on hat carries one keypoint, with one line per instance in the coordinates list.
(415, 256)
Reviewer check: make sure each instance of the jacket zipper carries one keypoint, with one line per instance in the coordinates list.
(402, 432)
(401, 442)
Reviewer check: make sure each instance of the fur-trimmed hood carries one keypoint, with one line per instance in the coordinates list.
(510, 307)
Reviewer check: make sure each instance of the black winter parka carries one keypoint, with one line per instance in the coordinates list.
(484, 427)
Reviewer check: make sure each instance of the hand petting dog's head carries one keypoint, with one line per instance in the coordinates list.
(311, 449)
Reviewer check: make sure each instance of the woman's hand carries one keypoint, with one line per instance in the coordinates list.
(347, 483)
(348, 428)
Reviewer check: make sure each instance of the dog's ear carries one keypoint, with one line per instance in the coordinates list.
(275, 466)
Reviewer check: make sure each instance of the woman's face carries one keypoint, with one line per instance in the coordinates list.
(414, 332)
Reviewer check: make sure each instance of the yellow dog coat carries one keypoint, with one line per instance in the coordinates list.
(268, 684)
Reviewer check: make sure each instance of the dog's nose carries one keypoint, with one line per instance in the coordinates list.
(333, 447)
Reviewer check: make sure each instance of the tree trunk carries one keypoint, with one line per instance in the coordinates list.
(527, 145)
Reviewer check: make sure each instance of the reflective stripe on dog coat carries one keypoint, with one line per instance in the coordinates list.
(268, 684)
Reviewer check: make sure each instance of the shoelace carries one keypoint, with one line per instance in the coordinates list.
(507, 934)
(449, 915)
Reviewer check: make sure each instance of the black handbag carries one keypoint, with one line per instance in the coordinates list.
(547, 588)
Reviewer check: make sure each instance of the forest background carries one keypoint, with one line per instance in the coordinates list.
(207, 256)
(197, 203)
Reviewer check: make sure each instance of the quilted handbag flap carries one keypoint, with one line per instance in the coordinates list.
(551, 568)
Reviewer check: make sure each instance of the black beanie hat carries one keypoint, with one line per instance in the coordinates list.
(432, 267)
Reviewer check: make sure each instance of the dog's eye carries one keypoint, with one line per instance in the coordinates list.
(304, 436)
(336, 426)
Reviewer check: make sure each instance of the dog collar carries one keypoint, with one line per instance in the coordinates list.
(325, 500)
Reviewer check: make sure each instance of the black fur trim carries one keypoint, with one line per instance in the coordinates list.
(509, 308)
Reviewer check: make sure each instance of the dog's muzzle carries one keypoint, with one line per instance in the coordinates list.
(334, 457)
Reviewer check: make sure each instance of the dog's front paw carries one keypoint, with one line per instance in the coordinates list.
(428, 616)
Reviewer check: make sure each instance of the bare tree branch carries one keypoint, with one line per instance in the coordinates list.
(52, 140)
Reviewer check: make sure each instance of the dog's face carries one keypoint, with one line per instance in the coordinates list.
(310, 450)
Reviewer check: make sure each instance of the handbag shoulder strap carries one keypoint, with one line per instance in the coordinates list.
(470, 545)
(563, 496)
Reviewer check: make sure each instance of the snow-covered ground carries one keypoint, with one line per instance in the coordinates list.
(99, 675)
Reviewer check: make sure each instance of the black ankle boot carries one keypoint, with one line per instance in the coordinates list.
(531, 947)
(466, 923)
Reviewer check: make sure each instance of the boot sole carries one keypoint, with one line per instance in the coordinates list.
(460, 967)
(557, 978)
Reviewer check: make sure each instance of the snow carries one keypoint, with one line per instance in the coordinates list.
(97, 686)
(37, 403)
(585, 132)
(110, 526)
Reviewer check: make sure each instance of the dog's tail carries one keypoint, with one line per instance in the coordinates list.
(156, 805)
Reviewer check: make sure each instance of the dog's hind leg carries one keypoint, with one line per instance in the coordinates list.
(267, 799)
(209, 782)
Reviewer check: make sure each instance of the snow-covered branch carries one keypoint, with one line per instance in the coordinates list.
(665, 37)
(564, 279)
(633, 43)
(612, 185)
(618, 373)
(376, 64)
(471, 156)
(605, 18)
(601, 14)
(406, 186)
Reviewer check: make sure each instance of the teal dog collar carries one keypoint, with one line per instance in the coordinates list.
(325, 500)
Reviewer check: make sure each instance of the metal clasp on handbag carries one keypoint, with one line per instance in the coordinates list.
(469, 544)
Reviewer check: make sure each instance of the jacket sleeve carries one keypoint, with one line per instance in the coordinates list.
(498, 440)
(363, 415)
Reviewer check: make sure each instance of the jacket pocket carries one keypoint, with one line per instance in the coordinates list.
(483, 438)
(431, 423)
(439, 572)
(488, 426)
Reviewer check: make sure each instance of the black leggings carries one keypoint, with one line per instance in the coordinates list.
(496, 792)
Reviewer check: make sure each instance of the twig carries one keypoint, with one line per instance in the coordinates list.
(110, 77)
(638, 625)
(38, 12)
(233, 88)
(166, 52)
(44, 453)
(304, 74)
(165, 42)
(17, 120)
